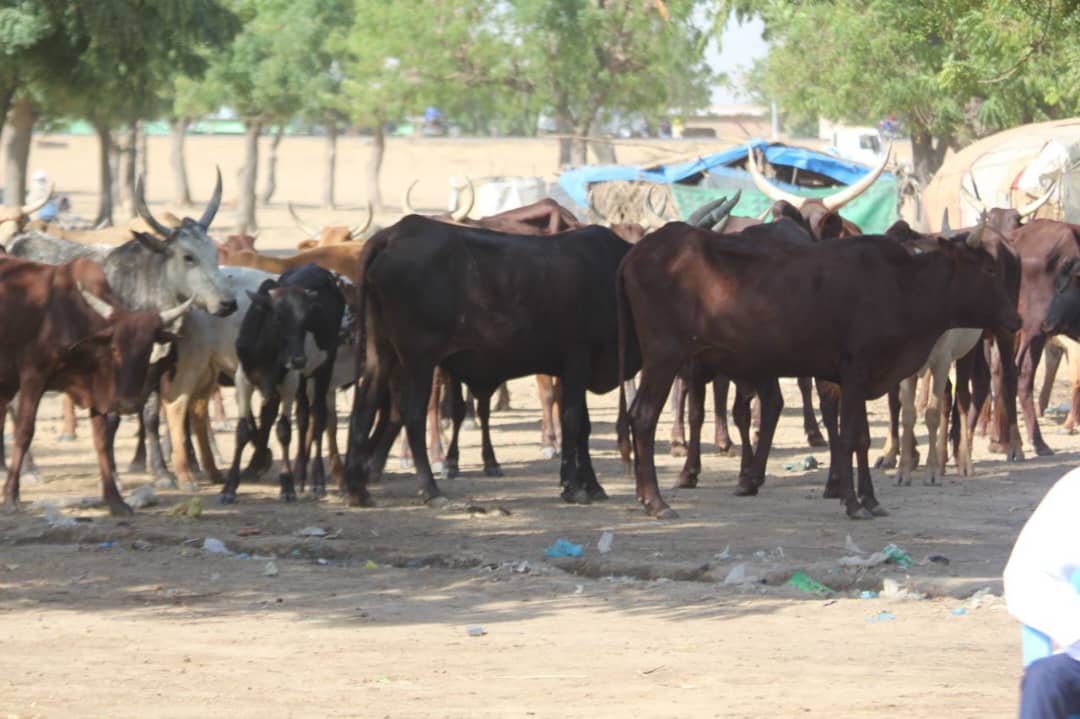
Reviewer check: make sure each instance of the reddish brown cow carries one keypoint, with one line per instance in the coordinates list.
(330, 234)
(757, 308)
(64, 330)
(234, 244)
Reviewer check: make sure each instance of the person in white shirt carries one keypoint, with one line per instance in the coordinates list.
(1040, 592)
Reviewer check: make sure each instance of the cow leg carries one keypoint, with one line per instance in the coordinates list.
(907, 437)
(545, 389)
(367, 399)
(722, 438)
(413, 395)
(30, 473)
(889, 453)
(1029, 364)
(287, 392)
(1054, 352)
(321, 392)
(105, 427)
(740, 412)
(220, 419)
(502, 399)
(25, 416)
(1007, 383)
(862, 456)
(262, 459)
(3, 420)
(470, 409)
(245, 432)
(138, 462)
(456, 401)
(935, 458)
(176, 413)
(962, 448)
(304, 430)
(200, 427)
(643, 415)
(68, 427)
(337, 468)
(189, 446)
(487, 450)
(771, 403)
(810, 425)
(678, 409)
(585, 467)
(853, 430)
(576, 372)
(151, 423)
(436, 454)
(829, 399)
(694, 396)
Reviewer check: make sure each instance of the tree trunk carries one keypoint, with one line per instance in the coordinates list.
(181, 188)
(245, 216)
(128, 164)
(564, 125)
(602, 148)
(331, 164)
(927, 157)
(142, 164)
(7, 92)
(378, 148)
(271, 166)
(105, 203)
(20, 130)
(579, 147)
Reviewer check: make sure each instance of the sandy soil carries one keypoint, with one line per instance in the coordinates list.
(133, 618)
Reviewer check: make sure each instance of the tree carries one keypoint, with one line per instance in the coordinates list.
(951, 70)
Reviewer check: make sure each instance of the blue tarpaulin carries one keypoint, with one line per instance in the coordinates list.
(576, 181)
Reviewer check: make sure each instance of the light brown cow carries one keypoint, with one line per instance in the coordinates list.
(330, 234)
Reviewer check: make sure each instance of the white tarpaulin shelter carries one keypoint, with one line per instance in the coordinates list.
(1010, 169)
(499, 194)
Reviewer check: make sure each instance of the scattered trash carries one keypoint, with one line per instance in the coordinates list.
(55, 518)
(849, 545)
(106, 545)
(475, 631)
(243, 555)
(802, 581)
(810, 462)
(523, 567)
(579, 589)
(604, 544)
(865, 562)
(144, 496)
(311, 532)
(789, 467)
(868, 594)
(739, 575)
(192, 509)
(724, 555)
(248, 531)
(140, 544)
(897, 556)
(564, 548)
(938, 559)
(1058, 410)
(13, 567)
(322, 561)
(958, 611)
(882, 616)
(370, 565)
(976, 600)
(215, 546)
(891, 589)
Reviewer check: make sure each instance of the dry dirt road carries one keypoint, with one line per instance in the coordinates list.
(133, 618)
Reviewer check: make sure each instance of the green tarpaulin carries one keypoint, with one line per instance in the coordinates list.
(873, 211)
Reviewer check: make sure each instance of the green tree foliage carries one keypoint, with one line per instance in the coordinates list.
(951, 70)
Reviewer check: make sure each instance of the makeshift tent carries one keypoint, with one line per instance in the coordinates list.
(1010, 169)
(696, 182)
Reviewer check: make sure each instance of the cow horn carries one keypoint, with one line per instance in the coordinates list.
(460, 213)
(97, 304)
(406, 204)
(307, 229)
(697, 216)
(358, 230)
(974, 238)
(101, 225)
(215, 202)
(764, 214)
(170, 316)
(1031, 207)
(592, 207)
(144, 212)
(652, 207)
(770, 190)
(973, 199)
(946, 231)
(719, 217)
(849, 193)
(33, 207)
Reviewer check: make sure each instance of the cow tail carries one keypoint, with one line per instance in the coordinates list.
(367, 349)
(622, 422)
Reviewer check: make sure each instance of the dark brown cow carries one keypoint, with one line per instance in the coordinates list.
(64, 330)
(757, 308)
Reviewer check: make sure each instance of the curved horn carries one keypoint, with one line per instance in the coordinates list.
(144, 212)
(594, 209)
(1031, 207)
(170, 316)
(946, 231)
(974, 238)
(308, 229)
(358, 230)
(849, 193)
(972, 199)
(406, 205)
(215, 202)
(460, 213)
(97, 304)
(719, 216)
(770, 190)
(762, 217)
(33, 207)
(651, 207)
(698, 216)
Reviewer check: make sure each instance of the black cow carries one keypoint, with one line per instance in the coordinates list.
(288, 337)
(487, 307)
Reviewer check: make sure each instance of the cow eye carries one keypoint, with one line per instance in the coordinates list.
(190, 259)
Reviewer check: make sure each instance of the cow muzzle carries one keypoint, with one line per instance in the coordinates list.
(225, 308)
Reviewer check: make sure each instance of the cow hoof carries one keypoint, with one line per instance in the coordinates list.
(318, 492)
(493, 470)
(120, 508)
(814, 439)
(190, 486)
(472, 424)
(288, 497)
(227, 498)
(745, 490)
(1015, 455)
(223, 426)
(687, 481)
(437, 502)
(903, 481)
(859, 512)
(659, 509)
(575, 495)
(451, 470)
(359, 499)
(885, 462)
(10, 506)
(548, 452)
(997, 448)
(596, 492)
(875, 508)
(1043, 451)
(31, 478)
(725, 448)
(678, 449)
(65, 437)
(216, 477)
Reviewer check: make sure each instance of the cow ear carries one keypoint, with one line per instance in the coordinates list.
(88, 344)
(150, 242)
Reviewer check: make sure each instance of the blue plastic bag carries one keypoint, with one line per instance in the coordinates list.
(564, 548)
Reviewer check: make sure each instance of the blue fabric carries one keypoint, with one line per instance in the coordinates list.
(1051, 689)
(577, 180)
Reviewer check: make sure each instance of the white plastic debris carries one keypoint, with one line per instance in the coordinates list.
(849, 545)
(475, 631)
(604, 544)
(312, 532)
(724, 555)
(738, 575)
(55, 518)
(270, 569)
(977, 599)
(144, 496)
(215, 546)
(891, 589)
(865, 562)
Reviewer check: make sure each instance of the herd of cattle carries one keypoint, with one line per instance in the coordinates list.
(159, 315)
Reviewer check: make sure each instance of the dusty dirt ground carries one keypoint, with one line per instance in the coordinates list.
(133, 618)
